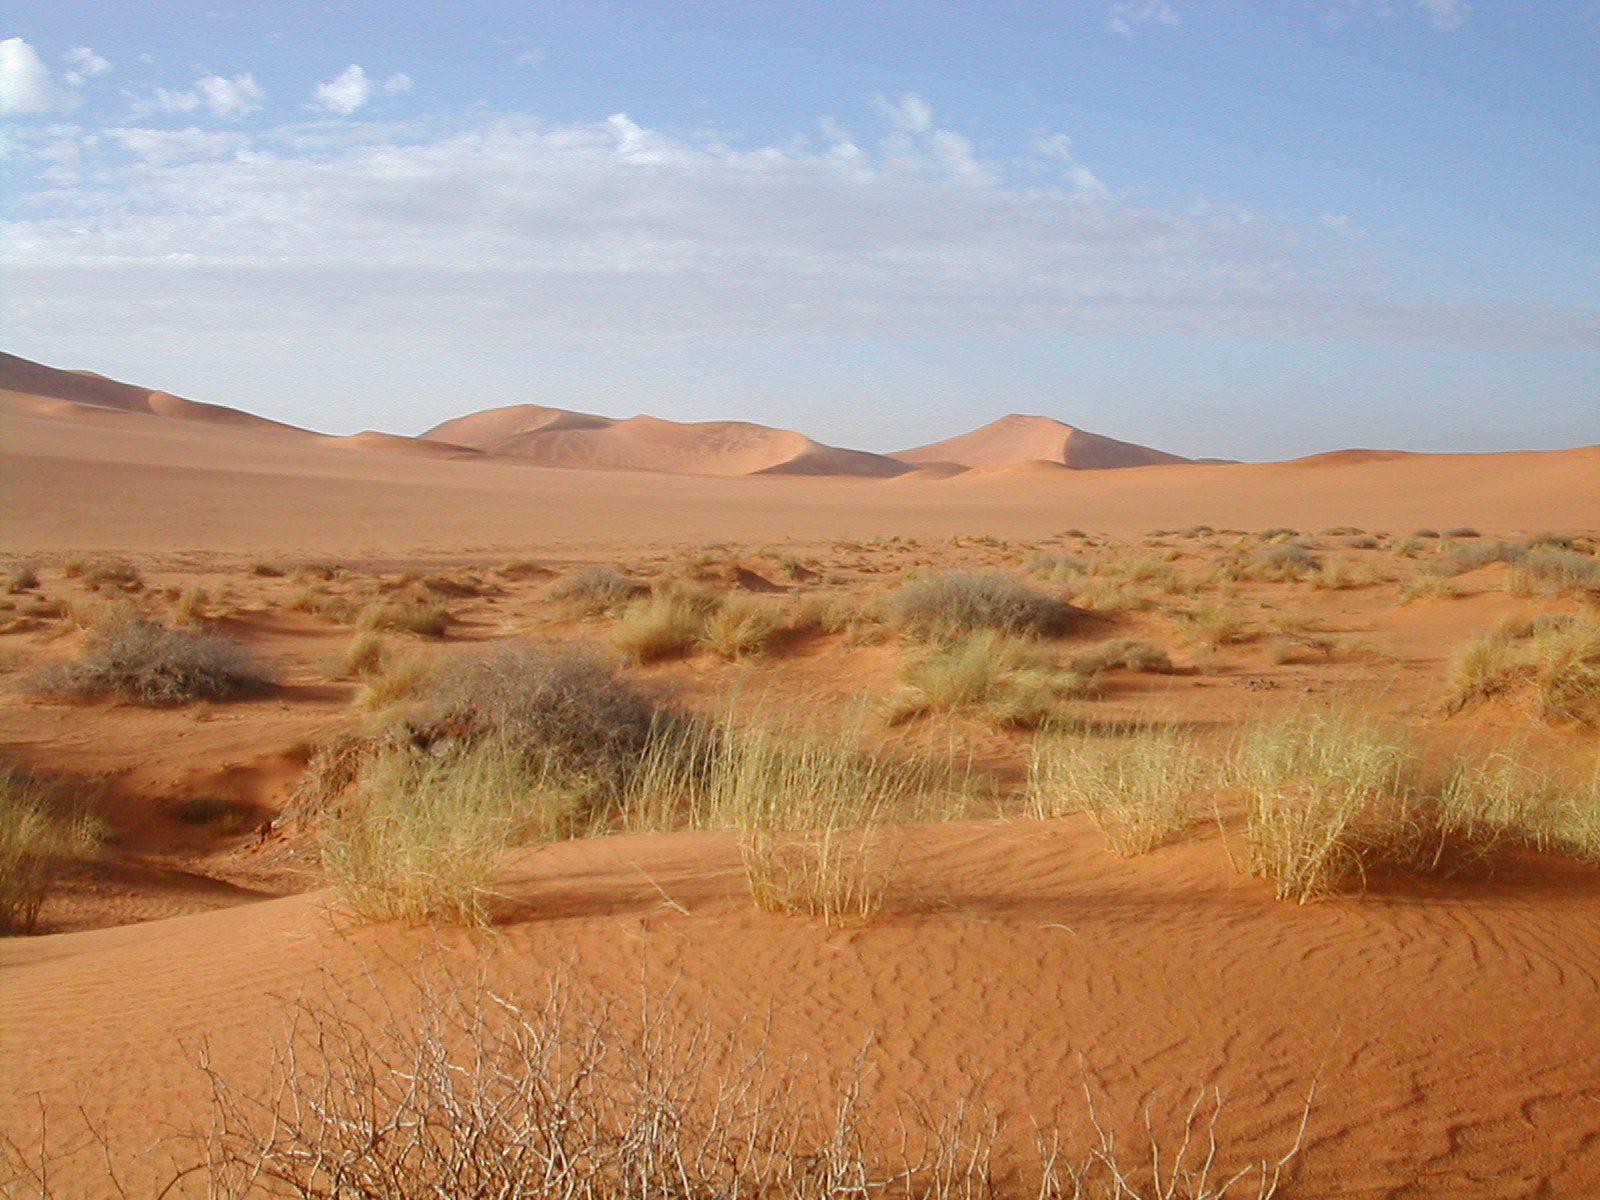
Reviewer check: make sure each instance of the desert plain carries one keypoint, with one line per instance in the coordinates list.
(1249, 850)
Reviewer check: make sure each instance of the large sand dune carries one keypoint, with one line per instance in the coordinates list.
(1016, 439)
(555, 437)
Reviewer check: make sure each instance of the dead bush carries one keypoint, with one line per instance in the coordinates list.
(132, 657)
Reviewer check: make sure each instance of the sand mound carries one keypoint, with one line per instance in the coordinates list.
(1034, 468)
(557, 437)
(394, 443)
(1346, 458)
(1018, 438)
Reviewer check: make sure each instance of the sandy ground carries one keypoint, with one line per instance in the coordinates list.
(1442, 1034)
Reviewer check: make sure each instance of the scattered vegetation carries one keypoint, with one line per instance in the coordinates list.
(400, 616)
(39, 829)
(130, 656)
(998, 677)
(18, 577)
(1554, 659)
(1133, 654)
(595, 591)
(953, 604)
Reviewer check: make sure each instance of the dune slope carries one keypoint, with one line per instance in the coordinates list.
(1017, 439)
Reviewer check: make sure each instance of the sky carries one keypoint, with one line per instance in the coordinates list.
(1245, 229)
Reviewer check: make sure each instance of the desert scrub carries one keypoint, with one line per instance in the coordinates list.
(1215, 624)
(39, 829)
(18, 577)
(399, 616)
(745, 627)
(130, 656)
(1505, 795)
(1139, 784)
(664, 624)
(1132, 654)
(594, 591)
(423, 835)
(361, 657)
(1323, 792)
(952, 604)
(1553, 659)
(103, 572)
(1554, 571)
(998, 678)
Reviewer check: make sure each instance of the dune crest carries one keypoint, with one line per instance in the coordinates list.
(556, 437)
(1018, 438)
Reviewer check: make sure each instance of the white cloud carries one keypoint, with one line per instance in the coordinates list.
(344, 93)
(82, 63)
(1128, 13)
(612, 236)
(530, 58)
(227, 99)
(352, 88)
(1446, 14)
(25, 82)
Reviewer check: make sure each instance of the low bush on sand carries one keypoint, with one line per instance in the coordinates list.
(1132, 654)
(1554, 571)
(18, 577)
(1138, 784)
(999, 678)
(665, 624)
(954, 604)
(420, 617)
(594, 591)
(104, 572)
(1553, 660)
(39, 829)
(132, 657)
(362, 656)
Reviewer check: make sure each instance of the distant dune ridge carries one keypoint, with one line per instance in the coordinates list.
(556, 437)
(1018, 438)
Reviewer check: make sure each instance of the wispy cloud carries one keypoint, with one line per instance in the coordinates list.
(82, 64)
(26, 85)
(1446, 14)
(1128, 13)
(611, 236)
(226, 99)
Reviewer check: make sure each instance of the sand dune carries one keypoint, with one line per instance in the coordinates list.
(1016, 439)
(556, 437)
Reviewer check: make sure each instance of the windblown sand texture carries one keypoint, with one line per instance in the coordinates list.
(1440, 1030)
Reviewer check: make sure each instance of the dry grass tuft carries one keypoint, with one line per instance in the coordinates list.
(39, 829)
(1138, 784)
(1003, 679)
(422, 618)
(1554, 659)
(594, 591)
(954, 604)
(1132, 654)
(363, 656)
(129, 656)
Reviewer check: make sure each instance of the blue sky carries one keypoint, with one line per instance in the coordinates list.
(1236, 229)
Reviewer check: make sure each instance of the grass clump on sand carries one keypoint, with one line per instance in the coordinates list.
(18, 577)
(1132, 654)
(1320, 788)
(664, 624)
(1138, 784)
(1554, 659)
(420, 617)
(130, 656)
(38, 831)
(363, 656)
(594, 591)
(506, 745)
(953, 604)
(1003, 679)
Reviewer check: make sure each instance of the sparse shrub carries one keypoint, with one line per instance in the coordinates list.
(1057, 568)
(1462, 531)
(594, 591)
(104, 573)
(1320, 789)
(132, 657)
(1363, 541)
(1470, 558)
(1138, 784)
(1001, 678)
(18, 577)
(1112, 597)
(1554, 571)
(39, 829)
(669, 622)
(399, 616)
(1215, 624)
(1429, 587)
(396, 679)
(1336, 574)
(1277, 533)
(1281, 562)
(1554, 660)
(523, 568)
(744, 627)
(1427, 534)
(1133, 654)
(1408, 547)
(1501, 796)
(266, 570)
(953, 604)
(1551, 541)
(362, 656)
(190, 606)
(218, 815)
(1072, 533)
